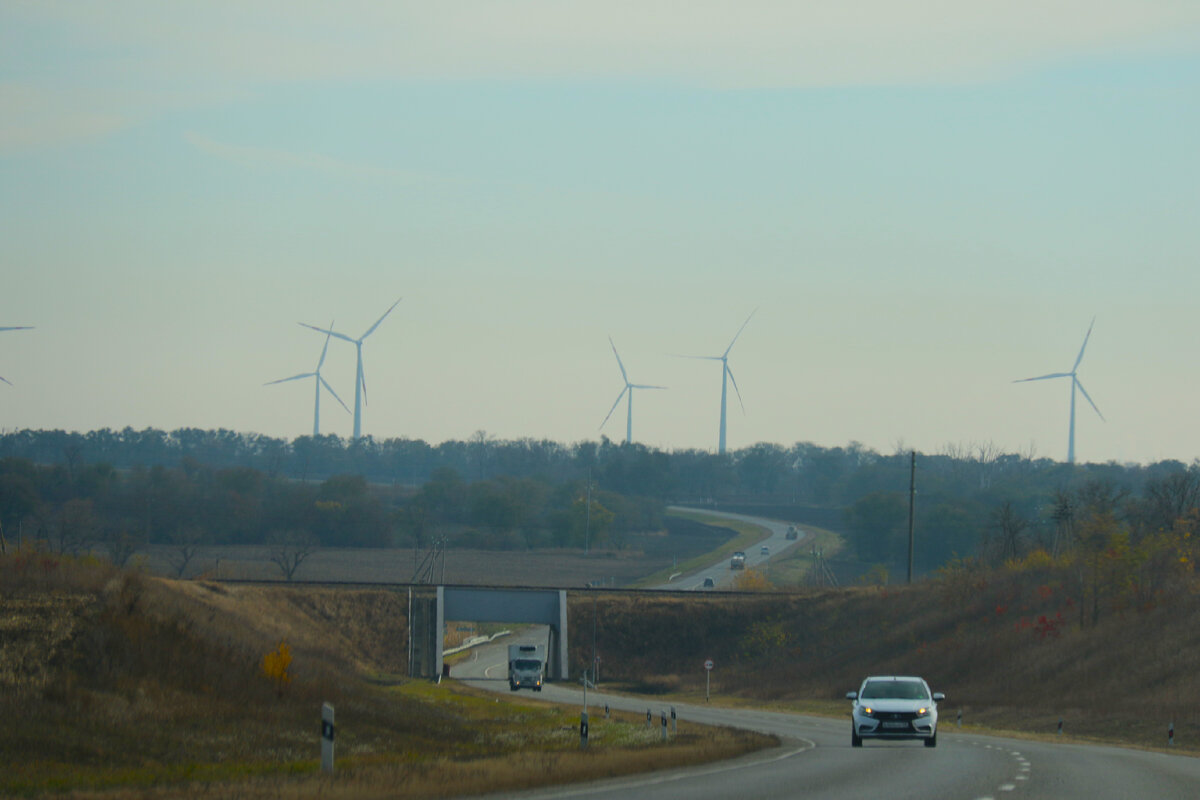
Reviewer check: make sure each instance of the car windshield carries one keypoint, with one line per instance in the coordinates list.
(527, 663)
(894, 690)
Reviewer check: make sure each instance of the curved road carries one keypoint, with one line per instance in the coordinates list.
(816, 760)
(777, 542)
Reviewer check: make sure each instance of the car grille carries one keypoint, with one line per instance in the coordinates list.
(895, 716)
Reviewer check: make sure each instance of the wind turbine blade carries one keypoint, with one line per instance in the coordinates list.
(735, 387)
(293, 378)
(6, 380)
(330, 332)
(15, 328)
(325, 349)
(1043, 377)
(702, 358)
(329, 388)
(1089, 398)
(615, 404)
(739, 333)
(1082, 348)
(619, 364)
(371, 329)
(645, 386)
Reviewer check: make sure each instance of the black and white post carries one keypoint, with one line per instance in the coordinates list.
(327, 732)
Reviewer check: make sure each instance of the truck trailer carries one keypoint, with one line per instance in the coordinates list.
(526, 666)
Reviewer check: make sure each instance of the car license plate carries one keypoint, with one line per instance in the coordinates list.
(895, 724)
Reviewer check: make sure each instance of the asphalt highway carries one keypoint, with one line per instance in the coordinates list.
(816, 759)
(777, 542)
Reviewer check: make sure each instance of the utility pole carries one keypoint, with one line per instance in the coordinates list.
(595, 665)
(912, 496)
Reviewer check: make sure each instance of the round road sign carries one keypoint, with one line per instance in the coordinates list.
(708, 664)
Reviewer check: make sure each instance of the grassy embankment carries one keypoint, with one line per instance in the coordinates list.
(1010, 648)
(128, 686)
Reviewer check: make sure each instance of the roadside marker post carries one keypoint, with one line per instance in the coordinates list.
(708, 666)
(583, 730)
(674, 727)
(607, 713)
(648, 718)
(1171, 735)
(327, 733)
(1060, 726)
(664, 726)
(960, 718)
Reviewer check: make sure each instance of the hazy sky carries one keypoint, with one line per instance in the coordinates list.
(924, 201)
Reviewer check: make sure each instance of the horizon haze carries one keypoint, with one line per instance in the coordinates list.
(925, 204)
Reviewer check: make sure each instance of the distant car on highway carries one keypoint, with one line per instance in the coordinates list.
(764, 551)
(738, 561)
(894, 707)
(709, 583)
(792, 533)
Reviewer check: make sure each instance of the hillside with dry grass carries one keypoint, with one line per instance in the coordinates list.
(124, 685)
(1016, 648)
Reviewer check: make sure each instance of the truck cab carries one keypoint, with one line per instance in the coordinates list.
(526, 666)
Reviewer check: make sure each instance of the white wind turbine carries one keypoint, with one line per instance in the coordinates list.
(1074, 384)
(14, 328)
(629, 387)
(360, 383)
(320, 381)
(726, 376)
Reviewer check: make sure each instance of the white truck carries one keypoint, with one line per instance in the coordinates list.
(526, 666)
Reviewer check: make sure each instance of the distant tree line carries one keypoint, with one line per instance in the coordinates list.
(74, 507)
(972, 501)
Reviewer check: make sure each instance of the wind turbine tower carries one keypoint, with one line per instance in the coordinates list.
(629, 387)
(14, 328)
(360, 384)
(320, 381)
(1075, 384)
(726, 377)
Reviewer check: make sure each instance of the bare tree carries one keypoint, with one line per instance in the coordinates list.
(185, 545)
(74, 527)
(1063, 515)
(1100, 497)
(1009, 528)
(480, 445)
(120, 545)
(1170, 498)
(289, 549)
(986, 456)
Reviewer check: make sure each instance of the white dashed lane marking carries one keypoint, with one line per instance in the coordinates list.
(1023, 770)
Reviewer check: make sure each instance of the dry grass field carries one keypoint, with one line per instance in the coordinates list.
(1007, 649)
(647, 553)
(126, 685)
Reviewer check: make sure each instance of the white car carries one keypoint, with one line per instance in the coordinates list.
(894, 707)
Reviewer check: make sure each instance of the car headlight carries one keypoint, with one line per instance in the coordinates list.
(922, 712)
(866, 710)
